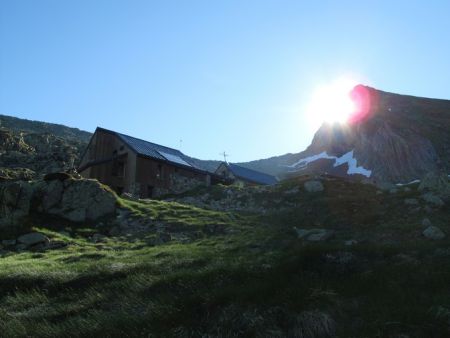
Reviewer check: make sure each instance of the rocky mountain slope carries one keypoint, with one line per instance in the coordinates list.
(30, 149)
(392, 137)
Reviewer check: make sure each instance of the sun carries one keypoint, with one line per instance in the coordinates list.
(332, 102)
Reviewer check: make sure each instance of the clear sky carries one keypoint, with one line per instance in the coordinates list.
(220, 75)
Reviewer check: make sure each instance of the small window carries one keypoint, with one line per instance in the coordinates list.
(159, 173)
(121, 148)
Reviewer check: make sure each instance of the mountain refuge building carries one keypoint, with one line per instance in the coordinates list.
(145, 169)
(237, 174)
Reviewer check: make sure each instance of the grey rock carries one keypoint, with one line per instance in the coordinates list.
(9, 242)
(320, 236)
(411, 201)
(15, 201)
(292, 191)
(436, 182)
(21, 247)
(432, 199)
(433, 232)
(314, 235)
(385, 186)
(77, 200)
(313, 186)
(302, 233)
(426, 222)
(350, 242)
(32, 238)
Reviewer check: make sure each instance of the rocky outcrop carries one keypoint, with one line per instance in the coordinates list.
(75, 200)
(15, 201)
(434, 233)
(35, 153)
(70, 199)
(436, 182)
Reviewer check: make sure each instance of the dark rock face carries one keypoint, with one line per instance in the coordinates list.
(71, 199)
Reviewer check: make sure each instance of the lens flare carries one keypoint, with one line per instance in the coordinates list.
(333, 103)
(364, 101)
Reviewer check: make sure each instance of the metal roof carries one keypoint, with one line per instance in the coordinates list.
(251, 175)
(153, 150)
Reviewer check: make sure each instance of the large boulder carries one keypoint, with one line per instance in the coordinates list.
(77, 200)
(15, 198)
(433, 232)
(71, 199)
(33, 238)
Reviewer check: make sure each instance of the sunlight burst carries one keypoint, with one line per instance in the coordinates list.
(332, 103)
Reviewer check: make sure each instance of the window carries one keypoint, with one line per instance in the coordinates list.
(159, 172)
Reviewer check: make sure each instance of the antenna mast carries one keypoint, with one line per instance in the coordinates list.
(225, 155)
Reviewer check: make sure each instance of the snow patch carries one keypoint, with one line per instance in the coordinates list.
(352, 165)
(348, 158)
(304, 161)
(412, 182)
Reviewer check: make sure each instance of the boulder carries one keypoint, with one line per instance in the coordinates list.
(436, 182)
(433, 199)
(313, 186)
(15, 201)
(314, 235)
(320, 235)
(32, 238)
(77, 200)
(433, 232)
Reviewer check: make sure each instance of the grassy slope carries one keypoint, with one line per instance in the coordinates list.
(254, 279)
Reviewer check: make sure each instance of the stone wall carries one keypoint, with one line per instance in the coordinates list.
(179, 183)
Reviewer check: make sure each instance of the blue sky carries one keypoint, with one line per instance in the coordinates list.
(220, 75)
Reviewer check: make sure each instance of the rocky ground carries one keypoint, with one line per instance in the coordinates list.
(310, 257)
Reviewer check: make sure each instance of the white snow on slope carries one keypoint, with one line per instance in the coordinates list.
(346, 158)
(303, 162)
(412, 182)
(352, 165)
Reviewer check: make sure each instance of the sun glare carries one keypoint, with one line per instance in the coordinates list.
(332, 103)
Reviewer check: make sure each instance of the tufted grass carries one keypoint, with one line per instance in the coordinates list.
(257, 280)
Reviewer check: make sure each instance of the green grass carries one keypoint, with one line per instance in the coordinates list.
(253, 281)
